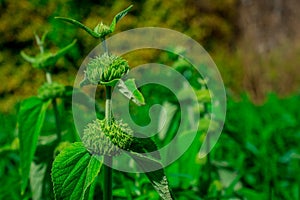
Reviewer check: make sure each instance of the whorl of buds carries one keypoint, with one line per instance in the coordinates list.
(105, 69)
(51, 90)
(102, 139)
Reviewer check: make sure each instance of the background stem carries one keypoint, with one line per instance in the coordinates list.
(40, 43)
(57, 120)
(55, 109)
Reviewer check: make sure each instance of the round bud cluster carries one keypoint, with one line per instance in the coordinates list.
(102, 139)
(106, 68)
(51, 90)
(102, 29)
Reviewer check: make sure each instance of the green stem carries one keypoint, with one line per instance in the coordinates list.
(57, 120)
(104, 45)
(107, 194)
(54, 103)
(55, 109)
(108, 105)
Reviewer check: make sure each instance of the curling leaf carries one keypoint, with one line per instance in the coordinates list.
(73, 172)
(118, 17)
(101, 30)
(80, 25)
(129, 90)
(28, 58)
(30, 121)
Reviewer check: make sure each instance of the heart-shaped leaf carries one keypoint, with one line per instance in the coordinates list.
(73, 172)
(129, 90)
(30, 121)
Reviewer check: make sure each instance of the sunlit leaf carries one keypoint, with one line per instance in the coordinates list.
(110, 83)
(129, 90)
(73, 172)
(30, 120)
(118, 17)
(80, 25)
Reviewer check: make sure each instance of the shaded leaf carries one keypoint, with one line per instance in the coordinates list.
(157, 177)
(140, 149)
(73, 172)
(129, 90)
(142, 144)
(30, 120)
(64, 50)
(37, 173)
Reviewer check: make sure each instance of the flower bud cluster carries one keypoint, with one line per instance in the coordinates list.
(102, 139)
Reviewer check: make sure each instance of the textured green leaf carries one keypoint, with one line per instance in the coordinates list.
(117, 18)
(73, 172)
(80, 25)
(129, 90)
(30, 120)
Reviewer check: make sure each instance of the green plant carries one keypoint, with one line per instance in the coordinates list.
(31, 117)
(104, 139)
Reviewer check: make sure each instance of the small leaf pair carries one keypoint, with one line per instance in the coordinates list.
(101, 30)
(46, 60)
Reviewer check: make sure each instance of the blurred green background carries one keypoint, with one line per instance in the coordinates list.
(256, 46)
